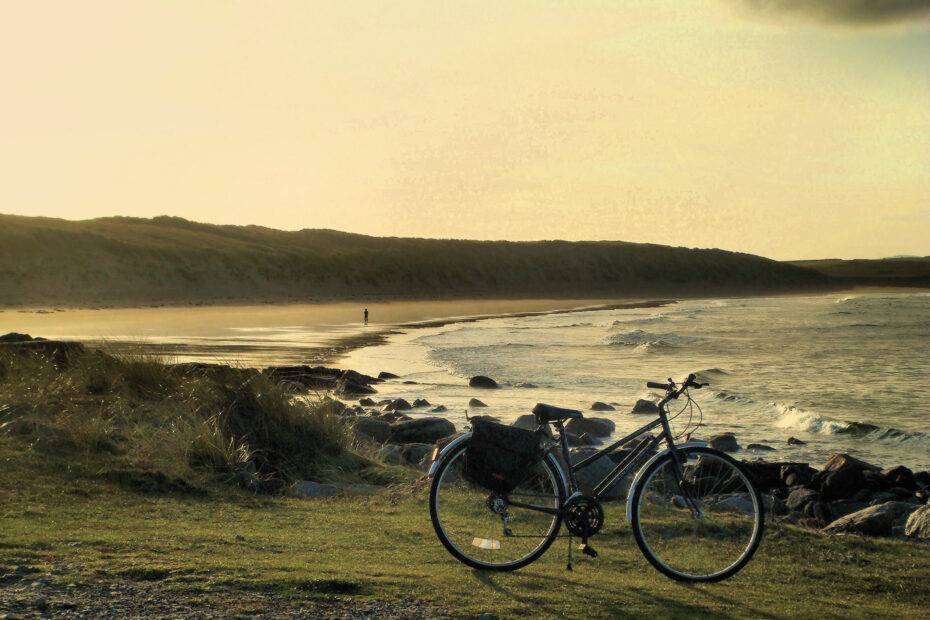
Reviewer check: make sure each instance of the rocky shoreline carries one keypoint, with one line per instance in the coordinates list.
(846, 496)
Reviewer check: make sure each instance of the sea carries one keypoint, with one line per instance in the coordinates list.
(839, 372)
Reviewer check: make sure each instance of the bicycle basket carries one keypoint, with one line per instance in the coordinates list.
(500, 457)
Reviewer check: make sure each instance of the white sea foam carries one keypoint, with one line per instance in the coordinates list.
(795, 418)
(645, 341)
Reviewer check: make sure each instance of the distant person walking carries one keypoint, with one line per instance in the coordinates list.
(365, 314)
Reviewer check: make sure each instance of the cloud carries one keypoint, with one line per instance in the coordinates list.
(849, 12)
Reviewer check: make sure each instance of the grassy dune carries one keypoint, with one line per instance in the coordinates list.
(123, 261)
(904, 271)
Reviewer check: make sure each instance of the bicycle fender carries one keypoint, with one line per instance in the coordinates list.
(445, 450)
(639, 474)
(465, 436)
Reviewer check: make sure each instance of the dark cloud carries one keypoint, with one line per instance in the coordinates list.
(853, 12)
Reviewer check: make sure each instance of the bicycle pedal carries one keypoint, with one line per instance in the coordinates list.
(589, 551)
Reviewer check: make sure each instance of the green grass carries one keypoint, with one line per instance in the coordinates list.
(120, 261)
(383, 548)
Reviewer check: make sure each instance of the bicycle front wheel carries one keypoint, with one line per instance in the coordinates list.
(702, 527)
(487, 531)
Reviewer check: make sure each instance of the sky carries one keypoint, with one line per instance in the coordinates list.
(787, 128)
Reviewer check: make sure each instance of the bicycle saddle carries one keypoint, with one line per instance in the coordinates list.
(548, 413)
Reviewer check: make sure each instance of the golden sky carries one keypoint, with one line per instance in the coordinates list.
(779, 127)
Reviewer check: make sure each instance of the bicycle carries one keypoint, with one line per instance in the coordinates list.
(694, 511)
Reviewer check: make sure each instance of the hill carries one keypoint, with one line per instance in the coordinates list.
(124, 261)
(896, 271)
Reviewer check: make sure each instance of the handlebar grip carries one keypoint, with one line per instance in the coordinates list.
(657, 385)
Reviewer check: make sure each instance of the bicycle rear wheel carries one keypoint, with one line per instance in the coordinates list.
(485, 530)
(705, 529)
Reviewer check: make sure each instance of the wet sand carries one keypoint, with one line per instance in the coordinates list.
(260, 335)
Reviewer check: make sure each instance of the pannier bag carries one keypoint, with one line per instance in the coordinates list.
(500, 457)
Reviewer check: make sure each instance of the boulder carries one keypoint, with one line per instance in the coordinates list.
(413, 453)
(595, 427)
(347, 385)
(580, 440)
(438, 409)
(798, 498)
(420, 402)
(391, 454)
(480, 381)
(794, 441)
(918, 524)
(725, 442)
(645, 406)
(422, 430)
(408, 382)
(527, 421)
(308, 488)
(901, 476)
(398, 404)
(366, 402)
(474, 402)
(923, 479)
(872, 521)
(842, 483)
(525, 384)
(57, 350)
(794, 474)
(589, 476)
(760, 447)
(599, 406)
(372, 429)
(384, 375)
(844, 461)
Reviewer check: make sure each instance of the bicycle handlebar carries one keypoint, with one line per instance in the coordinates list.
(675, 390)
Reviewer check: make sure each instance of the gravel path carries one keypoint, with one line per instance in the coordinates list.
(24, 594)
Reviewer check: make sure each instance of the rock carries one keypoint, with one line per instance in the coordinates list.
(761, 447)
(724, 443)
(372, 429)
(818, 511)
(17, 337)
(526, 421)
(409, 382)
(901, 476)
(736, 502)
(922, 478)
(797, 473)
(438, 409)
(589, 476)
(485, 418)
(474, 402)
(645, 406)
(599, 406)
(918, 524)
(413, 453)
(526, 385)
(420, 402)
(391, 454)
(798, 498)
(308, 488)
(480, 381)
(872, 521)
(595, 427)
(335, 406)
(579, 440)
(384, 375)
(842, 483)
(422, 430)
(398, 404)
(366, 402)
(347, 385)
(843, 461)
(794, 441)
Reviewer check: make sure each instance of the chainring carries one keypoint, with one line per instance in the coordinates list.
(583, 516)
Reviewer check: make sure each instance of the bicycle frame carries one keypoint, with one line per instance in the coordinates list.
(629, 463)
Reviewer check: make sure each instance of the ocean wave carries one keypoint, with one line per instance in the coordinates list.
(795, 418)
(730, 397)
(639, 321)
(645, 341)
